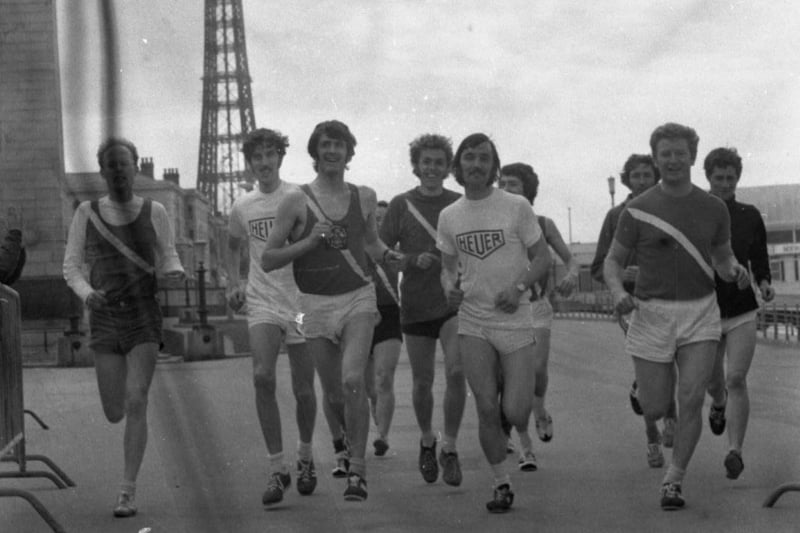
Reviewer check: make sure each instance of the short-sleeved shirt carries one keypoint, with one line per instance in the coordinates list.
(252, 217)
(491, 237)
(658, 226)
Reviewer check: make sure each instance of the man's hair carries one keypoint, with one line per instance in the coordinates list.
(110, 142)
(524, 173)
(471, 141)
(335, 130)
(264, 137)
(383, 203)
(723, 158)
(671, 130)
(634, 161)
(430, 141)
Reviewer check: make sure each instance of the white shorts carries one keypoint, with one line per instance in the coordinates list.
(542, 313)
(261, 312)
(328, 315)
(505, 341)
(729, 324)
(659, 327)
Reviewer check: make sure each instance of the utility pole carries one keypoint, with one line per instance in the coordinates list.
(611, 189)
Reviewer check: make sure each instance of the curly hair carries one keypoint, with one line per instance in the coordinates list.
(471, 141)
(334, 129)
(634, 160)
(264, 137)
(723, 158)
(525, 174)
(671, 130)
(429, 141)
(110, 142)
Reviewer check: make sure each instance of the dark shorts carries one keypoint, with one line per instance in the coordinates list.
(119, 327)
(430, 328)
(389, 326)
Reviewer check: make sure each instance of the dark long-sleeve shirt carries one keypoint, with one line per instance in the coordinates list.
(604, 241)
(12, 257)
(749, 243)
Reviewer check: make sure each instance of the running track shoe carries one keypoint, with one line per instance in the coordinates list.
(544, 427)
(427, 462)
(381, 447)
(633, 395)
(126, 505)
(716, 419)
(342, 464)
(278, 484)
(306, 477)
(503, 498)
(356, 490)
(668, 435)
(654, 456)
(734, 464)
(451, 468)
(671, 498)
(527, 462)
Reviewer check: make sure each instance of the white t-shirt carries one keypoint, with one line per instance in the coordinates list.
(491, 238)
(252, 217)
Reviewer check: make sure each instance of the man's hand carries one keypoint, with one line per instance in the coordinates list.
(623, 303)
(507, 300)
(321, 231)
(454, 297)
(96, 300)
(236, 298)
(629, 274)
(740, 275)
(393, 258)
(425, 260)
(767, 292)
(567, 284)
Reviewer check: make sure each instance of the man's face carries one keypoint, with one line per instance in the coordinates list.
(331, 154)
(380, 213)
(641, 178)
(265, 163)
(511, 184)
(723, 182)
(432, 167)
(476, 165)
(674, 161)
(119, 170)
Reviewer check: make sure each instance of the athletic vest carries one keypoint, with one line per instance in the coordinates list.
(110, 270)
(339, 265)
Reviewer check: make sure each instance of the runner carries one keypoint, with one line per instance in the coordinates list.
(520, 178)
(330, 225)
(491, 243)
(271, 313)
(677, 232)
(738, 307)
(425, 315)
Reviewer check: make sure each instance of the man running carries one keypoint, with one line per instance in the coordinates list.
(492, 253)
(271, 313)
(680, 235)
(425, 315)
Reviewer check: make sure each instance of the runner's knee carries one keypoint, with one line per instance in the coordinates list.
(264, 381)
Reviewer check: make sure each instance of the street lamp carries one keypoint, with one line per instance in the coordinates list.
(611, 189)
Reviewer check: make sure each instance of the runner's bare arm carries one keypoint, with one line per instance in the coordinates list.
(726, 265)
(235, 293)
(375, 247)
(289, 222)
(570, 279)
(612, 274)
(449, 280)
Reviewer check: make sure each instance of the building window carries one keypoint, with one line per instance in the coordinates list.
(776, 270)
(796, 271)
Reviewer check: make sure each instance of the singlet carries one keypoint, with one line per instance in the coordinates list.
(110, 270)
(338, 266)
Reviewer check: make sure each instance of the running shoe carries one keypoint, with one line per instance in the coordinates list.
(527, 462)
(451, 468)
(544, 427)
(381, 447)
(716, 419)
(342, 464)
(502, 500)
(654, 456)
(126, 505)
(734, 464)
(668, 435)
(306, 477)
(633, 395)
(278, 484)
(427, 462)
(356, 490)
(671, 498)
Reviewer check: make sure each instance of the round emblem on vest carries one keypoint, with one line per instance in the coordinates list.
(337, 238)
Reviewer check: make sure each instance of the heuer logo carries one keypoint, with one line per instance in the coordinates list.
(260, 227)
(480, 244)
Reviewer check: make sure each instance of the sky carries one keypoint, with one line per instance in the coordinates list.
(568, 86)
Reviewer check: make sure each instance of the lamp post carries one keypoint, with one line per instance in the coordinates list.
(611, 189)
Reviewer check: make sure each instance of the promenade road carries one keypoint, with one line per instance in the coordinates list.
(205, 467)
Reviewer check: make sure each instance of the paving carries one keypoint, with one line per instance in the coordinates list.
(205, 467)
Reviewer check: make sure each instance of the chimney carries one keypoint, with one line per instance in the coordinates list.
(172, 175)
(146, 167)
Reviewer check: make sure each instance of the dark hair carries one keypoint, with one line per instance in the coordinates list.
(671, 130)
(471, 141)
(264, 137)
(525, 174)
(116, 141)
(383, 203)
(723, 158)
(634, 161)
(335, 130)
(430, 141)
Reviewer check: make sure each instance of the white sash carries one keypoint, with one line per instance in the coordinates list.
(135, 258)
(386, 283)
(424, 223)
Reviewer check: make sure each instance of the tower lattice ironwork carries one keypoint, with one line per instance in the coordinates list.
(227, 105)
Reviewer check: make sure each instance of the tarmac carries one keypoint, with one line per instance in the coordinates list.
(205, 466)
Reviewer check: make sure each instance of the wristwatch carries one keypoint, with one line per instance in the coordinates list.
(521, 287)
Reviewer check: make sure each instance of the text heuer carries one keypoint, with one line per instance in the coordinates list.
(480, 244)
(260, 227)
